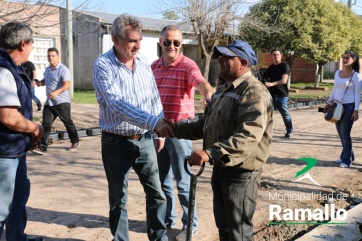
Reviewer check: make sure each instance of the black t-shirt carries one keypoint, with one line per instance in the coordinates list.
(275, 73)
(29, 67)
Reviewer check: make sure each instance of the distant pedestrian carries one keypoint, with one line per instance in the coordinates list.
(277, 76)
(30, 70)
(347, 90)
(57, 81)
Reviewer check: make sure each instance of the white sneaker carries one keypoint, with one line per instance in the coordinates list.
(339, 161)
(181, 236)
(343, 165)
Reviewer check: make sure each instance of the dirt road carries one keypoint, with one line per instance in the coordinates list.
(69, 190)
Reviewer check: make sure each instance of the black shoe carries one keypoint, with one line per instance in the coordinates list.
(36, 239)
(289, 134)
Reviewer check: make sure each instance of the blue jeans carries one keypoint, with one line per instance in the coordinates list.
(50, 113)
(235, 193)
(36, 100)
(344, 127)
(281, 104)
(119, 155)
(14, 194)
(171, 160)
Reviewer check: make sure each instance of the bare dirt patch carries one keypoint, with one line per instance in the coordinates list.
(69, 199)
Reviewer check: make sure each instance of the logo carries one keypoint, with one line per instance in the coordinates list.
(311, 162)
(279, 215)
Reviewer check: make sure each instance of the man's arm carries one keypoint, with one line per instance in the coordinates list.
(14, 120)
(283, 81)
(33, 80)
(63, 88)
(205, 90)
(34, 74)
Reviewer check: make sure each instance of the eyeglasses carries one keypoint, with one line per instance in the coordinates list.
(348, 57)
(176, 43)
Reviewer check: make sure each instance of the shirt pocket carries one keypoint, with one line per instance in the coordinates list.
(228, 117)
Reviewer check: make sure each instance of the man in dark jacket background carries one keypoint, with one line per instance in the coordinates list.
(18, 132)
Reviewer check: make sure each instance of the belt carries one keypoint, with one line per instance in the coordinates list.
(131, 137)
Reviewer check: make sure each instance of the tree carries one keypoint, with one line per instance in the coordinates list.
(326, 31)
(282, 31)
(213, 22)
(35, 13)
(317, 30)
(171, 15)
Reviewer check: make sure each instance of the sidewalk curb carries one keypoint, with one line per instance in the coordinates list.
(348, 232)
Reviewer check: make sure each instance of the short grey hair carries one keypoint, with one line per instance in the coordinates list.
(120, 23)
(11, 34)
(170, 28)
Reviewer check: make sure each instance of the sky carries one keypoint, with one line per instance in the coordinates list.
(146, 8)
(152, 8)
(140, 8)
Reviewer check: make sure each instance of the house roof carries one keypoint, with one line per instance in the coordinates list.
(152, 24)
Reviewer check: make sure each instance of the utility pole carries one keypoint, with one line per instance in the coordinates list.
(70, 46)
(350, 3)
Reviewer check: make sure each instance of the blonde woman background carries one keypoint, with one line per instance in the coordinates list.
(350, 99)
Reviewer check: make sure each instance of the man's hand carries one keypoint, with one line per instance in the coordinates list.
(159, 144)
(268, 84)
(53, 95)
(36, 137)
(39, 82)
(163, 129)
(198, 158)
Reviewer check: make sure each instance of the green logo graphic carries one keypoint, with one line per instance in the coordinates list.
(311, 162)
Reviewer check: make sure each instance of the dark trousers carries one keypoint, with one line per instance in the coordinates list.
(235, 192)
(119, 156)
(50, 113)
(344, 128)
(37, 101)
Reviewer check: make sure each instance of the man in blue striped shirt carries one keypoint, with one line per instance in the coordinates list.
(130, 110)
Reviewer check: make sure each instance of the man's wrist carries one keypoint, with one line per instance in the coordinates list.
(208, 152)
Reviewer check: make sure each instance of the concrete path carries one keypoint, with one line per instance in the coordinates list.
(348, 232)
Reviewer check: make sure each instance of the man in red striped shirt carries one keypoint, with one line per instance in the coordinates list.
(177, 77)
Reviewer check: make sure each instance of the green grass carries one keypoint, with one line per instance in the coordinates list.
(301, 85)
(322, 95)
(89, 96)
(84, 97)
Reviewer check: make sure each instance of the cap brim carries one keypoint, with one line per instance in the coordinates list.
(224, 51)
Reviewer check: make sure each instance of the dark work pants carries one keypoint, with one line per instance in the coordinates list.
(235, 192)
(50, 113)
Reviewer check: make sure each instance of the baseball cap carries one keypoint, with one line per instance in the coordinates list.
(240, 49)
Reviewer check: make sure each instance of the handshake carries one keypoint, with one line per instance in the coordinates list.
(165, 128)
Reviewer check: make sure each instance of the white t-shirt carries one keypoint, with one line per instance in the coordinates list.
(353, 93)
(8, 89)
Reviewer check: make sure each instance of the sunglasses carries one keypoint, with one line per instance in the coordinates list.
(176, 43)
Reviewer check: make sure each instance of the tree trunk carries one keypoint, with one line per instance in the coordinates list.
(316, 76)
(321, 73)
(207, 62)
